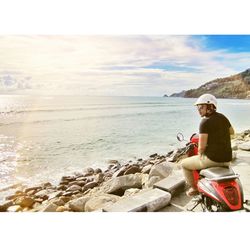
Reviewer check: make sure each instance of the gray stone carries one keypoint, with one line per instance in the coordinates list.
(162, 170)
(132, 170)
(171, 184)
(4, 206)
(58, 201)
(147, 169)
(131, 191)
(24, 201)
(151, 181)
(91, 184)
(148, 201)
(119, 184)
(100, 202)
(99, 177)
(120, 171)
(73, 188)
(51, 207)
(36, 188)
(61, 209)
(78, 205)
(55, 194)
(97, 171)
(15, 208)
(42, 194)
(245, 146)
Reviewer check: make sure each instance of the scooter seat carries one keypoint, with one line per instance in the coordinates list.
(217, 172)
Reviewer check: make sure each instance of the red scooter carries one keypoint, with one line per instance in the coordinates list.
(220, 189)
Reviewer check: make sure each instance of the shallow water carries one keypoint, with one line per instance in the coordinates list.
(45, 137)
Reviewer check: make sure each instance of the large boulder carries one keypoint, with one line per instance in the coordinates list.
(119, 184)
(245, 146)
(78, 205)
(162, 170)
(99, 202)
(24, 201)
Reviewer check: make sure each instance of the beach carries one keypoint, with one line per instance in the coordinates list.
(97, 190)
(45, 137)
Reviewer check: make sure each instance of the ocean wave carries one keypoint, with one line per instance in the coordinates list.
(92, 107)
(114, 116)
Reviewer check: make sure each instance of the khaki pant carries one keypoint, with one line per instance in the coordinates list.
(198, 162)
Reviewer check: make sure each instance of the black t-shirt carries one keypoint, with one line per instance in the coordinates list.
(219, 142)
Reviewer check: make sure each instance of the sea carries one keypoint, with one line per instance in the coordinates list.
(43, 138)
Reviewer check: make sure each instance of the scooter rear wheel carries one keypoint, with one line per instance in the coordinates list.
(211, 205)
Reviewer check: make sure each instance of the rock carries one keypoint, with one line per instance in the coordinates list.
(162, 170)
(73, 188)
(24, 201)
(62, 187)
(90, 185)
(245, 146)
(61, 209)
(13, 197)
(79, 183)
(152, 180)
(234, 155)
(246, 132)
(146, 169)
(132, 170)
(78, 205)
(131, 191)
(68, 178)
(58, 201)
(15, 208)
(55, 194)
(148, 200)
(99, 178)
(82, 178)
(68, 193)
(65, 198)
(43, 194)
(46, 185)
(97, 171)
(113, 162)
(4, 206)
(88, 171)
(119, 184)
(100, 202)
(51, 207)
(120, 171)
(26, 190)
(234, 146)
(153, 155)
(36, 205)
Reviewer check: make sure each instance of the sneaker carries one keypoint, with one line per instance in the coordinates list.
(192, 192)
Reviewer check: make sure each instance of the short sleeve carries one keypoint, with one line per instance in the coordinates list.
(228, 123)
(203, 126)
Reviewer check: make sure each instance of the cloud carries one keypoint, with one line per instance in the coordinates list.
(118, 65)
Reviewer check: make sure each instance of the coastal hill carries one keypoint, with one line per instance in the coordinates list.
(235, 86)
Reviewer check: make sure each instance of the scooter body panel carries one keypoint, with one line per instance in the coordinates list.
(219, 184)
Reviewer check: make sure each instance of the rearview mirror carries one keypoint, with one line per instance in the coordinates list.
(180, 137)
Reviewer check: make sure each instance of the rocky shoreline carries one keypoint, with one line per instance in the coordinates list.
(95, 189)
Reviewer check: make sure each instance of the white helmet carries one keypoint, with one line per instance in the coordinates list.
(206, 99)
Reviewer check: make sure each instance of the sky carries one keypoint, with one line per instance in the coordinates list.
(117, 65)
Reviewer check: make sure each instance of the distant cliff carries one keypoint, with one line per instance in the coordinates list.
(236, 86)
